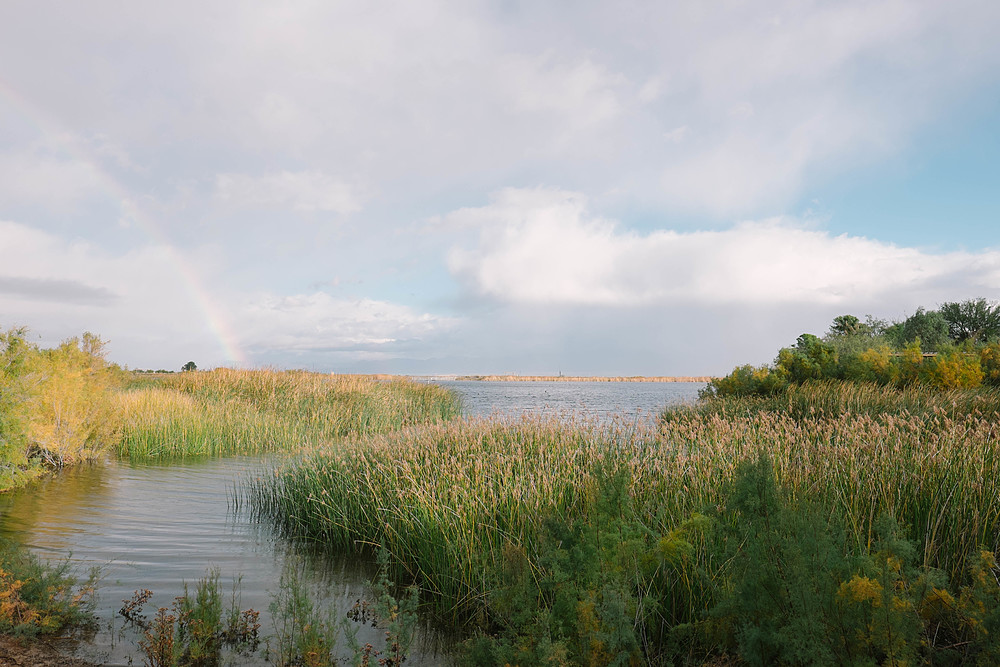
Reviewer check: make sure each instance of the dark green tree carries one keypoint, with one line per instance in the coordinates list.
(930, 326)
(189, 366)
(849, 325)
(975, 320)
(810, 359)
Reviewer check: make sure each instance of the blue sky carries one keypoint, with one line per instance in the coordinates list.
(491, 187)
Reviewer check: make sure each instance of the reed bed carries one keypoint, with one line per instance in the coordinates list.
(450, 501)
(243, 412)
(832, 398)
(445, 498)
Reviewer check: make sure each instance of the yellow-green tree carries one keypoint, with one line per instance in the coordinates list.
(14, 352)
(954, 369)
(69, 401)
(909, 363)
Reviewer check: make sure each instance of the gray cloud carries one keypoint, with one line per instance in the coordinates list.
(59, 291)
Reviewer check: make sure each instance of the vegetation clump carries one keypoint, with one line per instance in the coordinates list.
(41, 599)
(954, 347)
(227, 411)
(68, 404)
(56, 405)
(837, 520)
(199, 630)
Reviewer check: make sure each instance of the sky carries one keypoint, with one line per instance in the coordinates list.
(429, 187)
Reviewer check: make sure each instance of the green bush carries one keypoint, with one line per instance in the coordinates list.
(38, 598)
(810, 359)
(794, 591)
(989, 361)
(748, 381)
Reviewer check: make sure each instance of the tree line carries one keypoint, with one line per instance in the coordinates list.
(955, 346)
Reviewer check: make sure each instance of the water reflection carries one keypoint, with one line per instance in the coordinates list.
(158, 526)
(62, 500)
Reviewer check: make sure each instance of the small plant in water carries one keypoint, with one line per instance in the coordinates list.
(193, 631)
(158, 641)
(397, 616)
(131, 609)
(304, 634)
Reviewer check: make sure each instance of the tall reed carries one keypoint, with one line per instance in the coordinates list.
(251, 411)
(833, 397)
(450, 500)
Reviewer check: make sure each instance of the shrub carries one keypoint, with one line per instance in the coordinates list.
(38, 598)
(954, 368)
(810, 359)
(871, 365)
(989, 361)
(910, 364)
(748, 381)
(70, 408)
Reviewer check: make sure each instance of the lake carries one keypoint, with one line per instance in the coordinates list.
(157, 526)
(602, 400)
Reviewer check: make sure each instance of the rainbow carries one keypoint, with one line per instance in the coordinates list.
(215, 318)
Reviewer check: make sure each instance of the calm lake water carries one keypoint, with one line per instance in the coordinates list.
(631, 400)
(158, 526)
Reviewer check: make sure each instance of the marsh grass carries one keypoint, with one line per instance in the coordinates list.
(460, 504)
(245, 412)
(832, 398)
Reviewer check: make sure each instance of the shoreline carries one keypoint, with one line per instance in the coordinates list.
(584, 378)
(499, 378)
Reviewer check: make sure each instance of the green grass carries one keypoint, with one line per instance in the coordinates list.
(456, 502)
(832, 398)
(248, 412)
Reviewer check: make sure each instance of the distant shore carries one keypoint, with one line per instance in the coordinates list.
(584, 378)
(506, 378)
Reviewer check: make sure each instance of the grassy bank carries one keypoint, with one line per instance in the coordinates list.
(245, 412)
(67, 404)
(598, 545)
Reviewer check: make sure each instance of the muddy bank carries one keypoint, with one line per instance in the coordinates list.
(38, 652)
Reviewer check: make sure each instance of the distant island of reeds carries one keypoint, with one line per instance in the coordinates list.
(585, 378)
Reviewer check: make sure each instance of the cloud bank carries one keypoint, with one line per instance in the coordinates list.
(542, 246)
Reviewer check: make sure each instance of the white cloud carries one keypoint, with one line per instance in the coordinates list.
(542, 246)
(258, 110)
(440, 95)
(319, 322)
(146, 301)
(304, 191)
